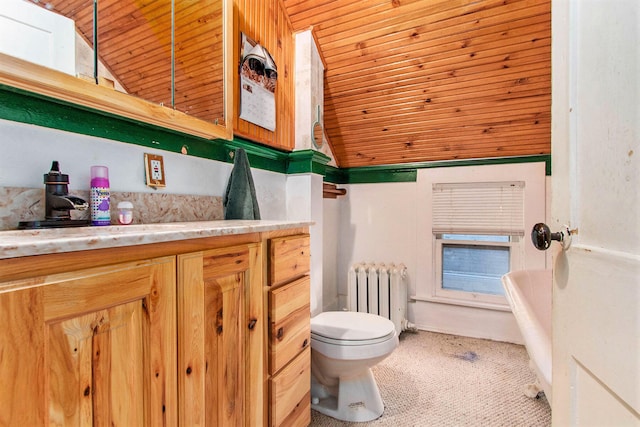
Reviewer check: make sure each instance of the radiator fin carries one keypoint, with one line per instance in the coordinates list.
(381, 289)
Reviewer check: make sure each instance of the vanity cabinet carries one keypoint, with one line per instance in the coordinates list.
(90, 346)
(176, 333)
(289, 331)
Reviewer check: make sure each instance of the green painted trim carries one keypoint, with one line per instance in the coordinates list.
(307, 161)
(260, 156)
(408, 172)
(27, 107)
(375, 174)
(488, 161)
(335, 175)
(548, 165)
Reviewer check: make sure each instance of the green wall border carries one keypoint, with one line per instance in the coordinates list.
(408, 172)
(307, 161)
(27, 107)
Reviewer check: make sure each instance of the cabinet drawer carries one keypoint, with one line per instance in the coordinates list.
(290, 393)
(288, 258)
(289, 322)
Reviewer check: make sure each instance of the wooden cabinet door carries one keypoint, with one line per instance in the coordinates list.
(221, 337)
(92, 347)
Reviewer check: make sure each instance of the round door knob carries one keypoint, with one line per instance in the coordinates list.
(541, 236)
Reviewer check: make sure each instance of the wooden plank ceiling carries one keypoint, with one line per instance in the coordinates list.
(427, 80)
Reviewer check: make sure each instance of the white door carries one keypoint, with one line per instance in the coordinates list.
(595, 187)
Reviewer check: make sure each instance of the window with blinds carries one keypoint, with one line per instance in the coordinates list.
(487, 208)
(476, 226)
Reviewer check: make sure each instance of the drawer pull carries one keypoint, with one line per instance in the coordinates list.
(280, 333)
(252, 323)
(304, 344)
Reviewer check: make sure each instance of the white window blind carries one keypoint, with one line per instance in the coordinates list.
(491, 208)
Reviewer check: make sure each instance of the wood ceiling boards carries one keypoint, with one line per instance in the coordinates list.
(428, 80)
(405, 80)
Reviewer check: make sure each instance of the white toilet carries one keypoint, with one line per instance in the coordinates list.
(345, 346)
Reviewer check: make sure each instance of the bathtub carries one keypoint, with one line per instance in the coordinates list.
(529, 295)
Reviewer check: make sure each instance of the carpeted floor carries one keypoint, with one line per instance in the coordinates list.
(444, 380)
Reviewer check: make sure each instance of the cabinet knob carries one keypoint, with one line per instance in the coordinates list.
(252, 323)
(280, 333)
(304, 344)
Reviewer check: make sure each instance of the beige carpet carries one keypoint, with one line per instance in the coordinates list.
(444, 380)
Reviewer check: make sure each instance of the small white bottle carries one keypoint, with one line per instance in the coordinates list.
(125, 213)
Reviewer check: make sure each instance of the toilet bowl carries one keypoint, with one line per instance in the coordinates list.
(344, 347)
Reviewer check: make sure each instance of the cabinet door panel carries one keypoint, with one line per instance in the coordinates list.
(99, 356)
(107, 354)
(219, 343)
(22, 345)
(88, 294)
(199, 65)
(224, 381)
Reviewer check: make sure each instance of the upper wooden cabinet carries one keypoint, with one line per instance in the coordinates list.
(267, 23)
(170, 61)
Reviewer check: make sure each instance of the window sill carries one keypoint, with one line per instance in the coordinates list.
(465, 303)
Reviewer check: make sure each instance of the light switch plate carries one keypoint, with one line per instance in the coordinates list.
(154, 168)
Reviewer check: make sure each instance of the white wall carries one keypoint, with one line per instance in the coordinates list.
(304, 192)
(309, 93)
(28, 150)
(330, 243)
(387, 223)
(304, 203)
(377, 224)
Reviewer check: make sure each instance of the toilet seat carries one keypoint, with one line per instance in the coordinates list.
(351, 335)
(351, 328)
(350, 342)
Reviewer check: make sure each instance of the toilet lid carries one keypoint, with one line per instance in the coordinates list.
(351, 326)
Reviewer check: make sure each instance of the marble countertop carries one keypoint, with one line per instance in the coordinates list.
(18, 243)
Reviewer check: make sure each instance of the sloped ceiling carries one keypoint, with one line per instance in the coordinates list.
(405, 80)
(427, 80)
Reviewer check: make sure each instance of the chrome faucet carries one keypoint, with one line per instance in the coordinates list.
(58, 202)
